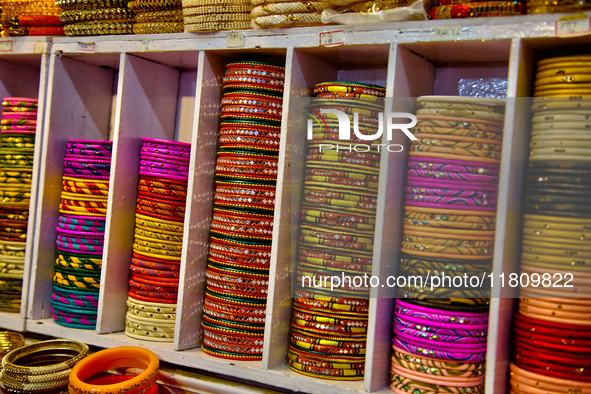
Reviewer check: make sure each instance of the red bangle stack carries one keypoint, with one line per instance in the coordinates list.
(240, 245)
(155, 266)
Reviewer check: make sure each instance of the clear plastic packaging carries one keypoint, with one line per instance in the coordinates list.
(483, 87)
(364, 12)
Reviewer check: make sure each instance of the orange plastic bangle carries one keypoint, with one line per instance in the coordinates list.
(119, 357)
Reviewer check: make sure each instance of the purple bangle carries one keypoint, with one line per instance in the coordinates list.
(165, 164)
(87, 152)
(105, 143)
(176, 144)
(450, 192)
(164, 153)
(457, 176)
(436, 324)
(86, 249)
(433, 183)
(402, 325)
(449, 206)
(164, 172)
(84, 146)
(90, 166)
(82, 241)
(79, 171)
(443, 355)
(96, 177)
(69, 301)
(16, 115)
(87, 159)
(461, 347)
(73, 228)
(439, 315)
(433, 336)
(463, 201)
(83, 220)
(164, 176)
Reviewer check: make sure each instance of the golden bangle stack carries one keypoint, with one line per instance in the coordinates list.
(160, 16)
(98, 28)
(272, 14)
(157, 17)
(41, 367)
(158, 27)
(10, 341)
(216, 15)
(100, 14)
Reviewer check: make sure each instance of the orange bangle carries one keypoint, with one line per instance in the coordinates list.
(119, 357)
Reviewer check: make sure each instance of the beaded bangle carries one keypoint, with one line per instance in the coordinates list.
(154, 5)
(159, 16)
(215, 26)
(98, 28)
(158, 27)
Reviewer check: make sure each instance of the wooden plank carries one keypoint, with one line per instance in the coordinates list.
(78, 106)
(408, 76)
(508, 226)
(303, 71)
(198, 214)
(145, 108)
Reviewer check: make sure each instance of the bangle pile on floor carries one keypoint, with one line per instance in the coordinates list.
(81, 233)
(240, 239)
(96, 17)
(157, 16)
(216, 15)
(43, 367)
(553, 324)
(19, 123)
(272, 14)
(86, 375)
(329, 329)
(449, 223)
(158, 240)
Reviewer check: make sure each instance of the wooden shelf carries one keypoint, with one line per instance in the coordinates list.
(110, 92)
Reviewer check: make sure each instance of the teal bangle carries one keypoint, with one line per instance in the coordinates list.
(77, 309)
(74, 290)
(78, 326)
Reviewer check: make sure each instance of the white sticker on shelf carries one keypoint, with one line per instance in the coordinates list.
(573, 25)
(332, 38)
(5, 46)
(235, 40)
(85, 46)
(147, 45)
(445, 33)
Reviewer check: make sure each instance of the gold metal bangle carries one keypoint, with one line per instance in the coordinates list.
(216, 26)
(158, 28)
(159, 16)
(214, 18)
(8, 362)
(98, 29)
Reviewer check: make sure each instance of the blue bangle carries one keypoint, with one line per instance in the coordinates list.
(77, 310)
(64, 291)
(79, 326)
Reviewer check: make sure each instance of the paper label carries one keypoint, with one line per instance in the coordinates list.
(573, 25)
(235, 40)
(6, 46)
(85, 46)
(445, 33)
(146, 45)
(332, 38)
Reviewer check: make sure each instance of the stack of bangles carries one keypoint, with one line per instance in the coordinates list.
(81, 233)
(10, 341)
(158, 240)
(96, 17)
(336, 234)
(19, 124)
(449, 226)
(91, 375)
(157, 16)
(216, 15)
(547, 7)
(454, 9)
(240, 238)
(553, 323)
(274, 14)
(43, 367)
(42, 19)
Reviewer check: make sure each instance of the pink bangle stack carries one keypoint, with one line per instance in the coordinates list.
(80, 233)
(19, 123)
(449, 223)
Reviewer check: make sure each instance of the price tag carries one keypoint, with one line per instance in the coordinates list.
(573, 25)
(6, 46)
(332, 38)
(146, 45)
(445, 33)
(235, 40)
(85, 46)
